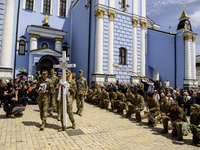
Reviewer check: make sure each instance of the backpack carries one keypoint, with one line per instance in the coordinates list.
(7, 107)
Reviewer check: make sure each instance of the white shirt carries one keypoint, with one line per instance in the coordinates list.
(167, 84)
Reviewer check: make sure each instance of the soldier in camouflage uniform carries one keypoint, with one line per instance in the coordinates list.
(89, 94)
(121, 102)
(152, 111)
(113, 97)
(69, 98)
(165, 109)
(195, 121)
(93, 95)
(52, 102)
(104, 100)
(136, 106)
(44, 87)
(178, 117)
(74, 78)
(57, 82)
(82, 89)
(98, 95)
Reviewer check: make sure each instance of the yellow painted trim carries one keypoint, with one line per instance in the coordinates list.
(134, 22)
(99, 13)
(194, 39)
(143, 24)
(111, 15)
(187, 37)
(59, 39)
(34, 35)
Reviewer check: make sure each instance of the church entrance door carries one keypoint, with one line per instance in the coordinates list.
(46, 63)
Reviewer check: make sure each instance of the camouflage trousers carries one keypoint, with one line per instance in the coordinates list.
(104, 103)
(132, 110)
(178, 129)
(151, 117)
(43, 107)
(114, 104)
(196, 135)
(121, 106)
(52, 102)
(165, 120)
(69, 108)
(80, 98)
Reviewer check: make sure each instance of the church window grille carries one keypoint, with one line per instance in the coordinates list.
(63, 8)
(44, 45)
(122, 56)
(22, 47)
(47, 6)
(29, 4)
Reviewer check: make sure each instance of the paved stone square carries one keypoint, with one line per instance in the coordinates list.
(97, 129)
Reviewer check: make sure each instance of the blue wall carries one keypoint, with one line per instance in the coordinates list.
(80, 32)
(28, 17)
(160, 55)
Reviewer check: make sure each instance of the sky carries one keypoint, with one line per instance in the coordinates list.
(167, 13)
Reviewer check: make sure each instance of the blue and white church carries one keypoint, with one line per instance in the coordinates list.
(96, 34)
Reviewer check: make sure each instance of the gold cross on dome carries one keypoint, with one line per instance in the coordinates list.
(46, 19)
(184, 6)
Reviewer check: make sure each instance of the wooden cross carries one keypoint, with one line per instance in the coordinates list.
(64, 65)
(46, 19)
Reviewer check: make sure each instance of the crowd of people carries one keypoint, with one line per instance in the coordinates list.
(147, 99)
(158, 104)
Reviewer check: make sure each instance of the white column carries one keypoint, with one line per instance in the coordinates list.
(155, 75)
(100, 2)
(58, 44)
(143, 8)
(33, 46)
(134, 45)
(187, 57)
(135, 7)
(112, 3)
(99, 42)
(110, 42)
(7, 34)
(194, 56)
(143, 24)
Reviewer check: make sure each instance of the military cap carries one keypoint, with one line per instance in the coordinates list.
(59, 73)
(68, 71)
(80, 71)
(195, 106)
(74, 74)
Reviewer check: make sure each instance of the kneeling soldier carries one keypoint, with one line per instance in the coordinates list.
(178, 117)
(137, 106)
(69, 98)
(195, 121)
(153, 109)
(104, 99)
(165, 113)
(113, 97)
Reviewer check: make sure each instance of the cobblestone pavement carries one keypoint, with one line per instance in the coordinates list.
(97, 129)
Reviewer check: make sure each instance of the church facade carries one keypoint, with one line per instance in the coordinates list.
(100, 33)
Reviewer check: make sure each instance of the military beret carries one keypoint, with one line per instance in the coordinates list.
(59, 73)
(195, 106)
(80, 71)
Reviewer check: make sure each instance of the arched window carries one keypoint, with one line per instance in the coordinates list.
(44, 45)
(63, 8)
(122, 56)
(22, 47)
(29, 4)
(47, 6)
